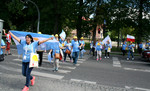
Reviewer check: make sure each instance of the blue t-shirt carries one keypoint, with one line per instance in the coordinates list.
(81, 42)
(130, 47)
(107, 46)
(28, 49)
(124, 46)
(72, 41)
(140, 45)
(98, 46)
(75, 46)
(2, 44)
(57, 50)
(68, 46)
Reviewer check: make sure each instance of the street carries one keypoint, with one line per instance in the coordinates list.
(113, 74)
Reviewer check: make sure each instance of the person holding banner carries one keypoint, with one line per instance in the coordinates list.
(131, 50)
(29, 46)
(107, 49)
(8, 42)
(99, 50)
(75, 47)
(67, 50)
(82, 44)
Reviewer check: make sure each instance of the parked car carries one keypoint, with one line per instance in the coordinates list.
(146, 54)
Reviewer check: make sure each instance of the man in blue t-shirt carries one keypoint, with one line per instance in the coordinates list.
(140, 47)
(82, 44)
(124, 46)
(131, 50)
(75, 47)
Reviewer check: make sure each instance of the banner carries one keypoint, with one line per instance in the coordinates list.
(130, 38)
(51, 44)
(107, 39)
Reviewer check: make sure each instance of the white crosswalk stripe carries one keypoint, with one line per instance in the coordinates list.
(64, 68)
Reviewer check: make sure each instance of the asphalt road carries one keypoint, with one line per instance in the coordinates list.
(115, 72)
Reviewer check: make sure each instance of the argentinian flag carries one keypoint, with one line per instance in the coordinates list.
(51, 44)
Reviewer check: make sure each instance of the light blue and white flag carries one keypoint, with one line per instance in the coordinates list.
(107, 39)
(62, 34)
(51, 44)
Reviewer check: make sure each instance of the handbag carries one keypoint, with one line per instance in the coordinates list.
(34, 58)
(2, 57)
(68, 52)
(57, 55)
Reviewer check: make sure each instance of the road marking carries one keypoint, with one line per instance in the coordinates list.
(48, 75)
(78, 80)
(135, 62)
(116, 62)
(60, 70)
(132, 69)
(67, 67)
(137, 88)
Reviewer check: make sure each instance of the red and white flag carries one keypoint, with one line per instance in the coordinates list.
(130, 38)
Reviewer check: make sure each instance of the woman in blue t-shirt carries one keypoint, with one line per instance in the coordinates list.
(29, 46)
(68, 47)
(107, 49)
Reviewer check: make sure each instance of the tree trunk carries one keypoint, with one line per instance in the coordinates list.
(79, 21)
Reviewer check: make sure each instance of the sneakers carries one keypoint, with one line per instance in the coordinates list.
(33, 81)
(97, 59)
(25, 88)
(100, 59)
(127, 58)
(132, 58)
(71, 61)
(105, 56)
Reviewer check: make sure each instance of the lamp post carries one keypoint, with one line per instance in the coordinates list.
(38, 24)
(1, 28)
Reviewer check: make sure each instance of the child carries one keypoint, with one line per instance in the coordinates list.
(99, 50)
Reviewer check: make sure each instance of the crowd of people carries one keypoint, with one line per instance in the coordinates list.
(73, 48)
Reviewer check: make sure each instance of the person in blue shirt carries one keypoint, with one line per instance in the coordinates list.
(147, 45)
(99, 49)
(107, 49)
(140, 47)
(81, 42)
(56, 60)
(91, 46)
(68, 47)
(29, 46)
(2, 47)
(76, 50)
(131, 50)
(124, 46)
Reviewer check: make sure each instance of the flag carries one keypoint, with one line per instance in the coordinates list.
(107, 39)
(51, 44)
(62, 34)
(130, 38)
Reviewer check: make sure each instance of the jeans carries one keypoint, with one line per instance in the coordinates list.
(130, 52)
(81, 54)
(106, 53)
(75, 56)
(26, 71)
(65, 55)
(90, 51)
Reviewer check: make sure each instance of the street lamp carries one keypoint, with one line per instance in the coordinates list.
(38, 24)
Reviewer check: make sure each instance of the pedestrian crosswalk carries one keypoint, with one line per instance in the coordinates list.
(44, 71)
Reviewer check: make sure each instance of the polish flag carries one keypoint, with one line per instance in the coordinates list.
(130, 38)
